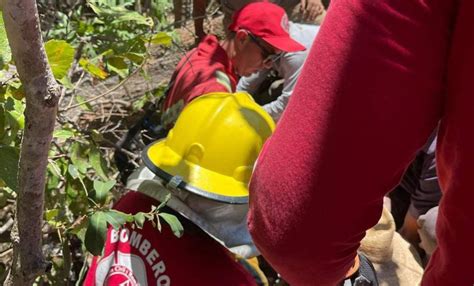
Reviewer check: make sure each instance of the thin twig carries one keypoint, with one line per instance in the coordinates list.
(110, 90)
(123, 102)
(102, 111)
(112, 144)
(110, 112)
(79, 81)
(6, 226)
(6, 253)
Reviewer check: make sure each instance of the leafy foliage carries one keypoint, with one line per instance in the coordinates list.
(5, 53)
(112, 37)
(96, 233)
(101, 38)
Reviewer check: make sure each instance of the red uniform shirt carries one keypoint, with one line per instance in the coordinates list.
(379, 77)
(204, 69)
(145, 256)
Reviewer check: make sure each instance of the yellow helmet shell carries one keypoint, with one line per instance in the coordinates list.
(213, 146)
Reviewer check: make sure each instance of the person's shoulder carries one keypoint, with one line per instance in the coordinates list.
(209, 41)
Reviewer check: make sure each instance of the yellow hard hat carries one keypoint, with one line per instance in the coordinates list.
(213, 146)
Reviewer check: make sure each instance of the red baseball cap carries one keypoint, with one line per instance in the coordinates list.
(267, 21)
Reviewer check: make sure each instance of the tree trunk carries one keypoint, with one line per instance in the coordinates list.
(42, 94)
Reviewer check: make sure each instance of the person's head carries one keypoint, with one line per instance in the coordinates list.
(260, 34)
(213, 146)
(207, 159)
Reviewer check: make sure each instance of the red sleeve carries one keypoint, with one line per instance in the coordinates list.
(379, 77)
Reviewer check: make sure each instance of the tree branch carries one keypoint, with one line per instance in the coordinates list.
(42, 94)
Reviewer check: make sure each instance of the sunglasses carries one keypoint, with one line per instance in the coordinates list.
(268, 56)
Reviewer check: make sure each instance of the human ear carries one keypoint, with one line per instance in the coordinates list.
(240, 40)
(241, 36)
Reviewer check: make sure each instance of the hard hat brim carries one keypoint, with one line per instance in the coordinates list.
(166, 164)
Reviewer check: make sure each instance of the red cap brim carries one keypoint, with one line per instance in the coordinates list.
(285, 44)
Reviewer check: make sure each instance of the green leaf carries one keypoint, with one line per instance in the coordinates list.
(72, 187)
(84, 27)
(5, 52)
(108, 52)
(81, 234)
(13, 127)
(51, 214)
(137, 58)
(95, 8)
(78, 157)
(14, 115)
(15, 83)
(173, 222)
(16, 93)
(139, 219)
(118, 62)
(51, 217)
(66, 82)
(119, 14)
(117, 219)
(118, 65)
(133, 16)
(9, 157)
(97, 136)
(63, 133)
(15, 89)
(92, 69)
(53, 178)
(17, 114)
(97, 162)
(53, 167)
(162, 38)
(72, 170)
(101, 190)
(60, 57)
(140, 102)
(96, 233)
(83, 104)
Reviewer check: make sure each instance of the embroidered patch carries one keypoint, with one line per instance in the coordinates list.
(118, 270)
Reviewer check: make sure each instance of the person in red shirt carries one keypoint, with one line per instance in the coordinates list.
(259, 32)
(387, 72)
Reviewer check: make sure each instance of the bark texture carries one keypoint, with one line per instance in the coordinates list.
(42, 94)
